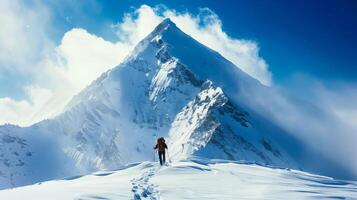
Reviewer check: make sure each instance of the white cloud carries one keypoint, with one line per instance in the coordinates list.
(62, 71)
(135, 26)
(76, 62)
(82, 57)
(25, 112)
(23, 37)
(23, 42)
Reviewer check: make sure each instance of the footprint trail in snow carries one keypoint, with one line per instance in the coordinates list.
(142, 188)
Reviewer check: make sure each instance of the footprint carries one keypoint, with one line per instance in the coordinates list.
(141, 187)
(137, 196)
(146, 193)
(134, 189)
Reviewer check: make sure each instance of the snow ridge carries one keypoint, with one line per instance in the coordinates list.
(190, 179)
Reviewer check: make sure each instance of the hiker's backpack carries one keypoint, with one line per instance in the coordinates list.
(161, 144)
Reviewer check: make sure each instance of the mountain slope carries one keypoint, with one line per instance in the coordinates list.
(192, 179)
(170, 86)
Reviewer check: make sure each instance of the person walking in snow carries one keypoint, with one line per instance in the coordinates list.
(161, 146)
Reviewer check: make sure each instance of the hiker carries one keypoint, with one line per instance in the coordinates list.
(161, 146)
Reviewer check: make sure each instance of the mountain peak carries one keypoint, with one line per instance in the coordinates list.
(164, 25)
(167, 21)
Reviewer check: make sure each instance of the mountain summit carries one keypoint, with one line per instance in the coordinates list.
(170, 86)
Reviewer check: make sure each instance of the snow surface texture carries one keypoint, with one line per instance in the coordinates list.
(193, 179)
(170, 86)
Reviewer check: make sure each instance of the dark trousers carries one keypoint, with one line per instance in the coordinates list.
(162, 157)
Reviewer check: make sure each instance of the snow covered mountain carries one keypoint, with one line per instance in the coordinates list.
(170, 86)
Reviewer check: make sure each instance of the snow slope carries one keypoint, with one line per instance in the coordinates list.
(192, 179)
(170, 86)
